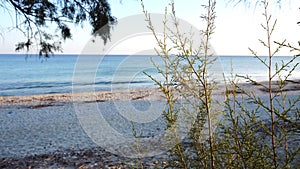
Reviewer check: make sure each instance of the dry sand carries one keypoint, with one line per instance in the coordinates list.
(44, 131)
(45, 128)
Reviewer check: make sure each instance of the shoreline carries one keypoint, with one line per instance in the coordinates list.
(85, 97)
(293, 87)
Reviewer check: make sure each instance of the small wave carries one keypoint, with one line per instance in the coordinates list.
(33, 85)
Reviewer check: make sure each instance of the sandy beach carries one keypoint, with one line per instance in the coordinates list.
(45, 128)
(44, 131)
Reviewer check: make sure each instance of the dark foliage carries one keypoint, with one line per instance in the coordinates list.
(33, 18)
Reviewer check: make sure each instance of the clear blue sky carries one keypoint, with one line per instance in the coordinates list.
(237, 27)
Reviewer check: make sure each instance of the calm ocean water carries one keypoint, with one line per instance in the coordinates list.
(31, 75)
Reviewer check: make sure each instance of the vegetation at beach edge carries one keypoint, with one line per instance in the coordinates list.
(242, 138)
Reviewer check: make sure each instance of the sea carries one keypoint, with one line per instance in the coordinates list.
(28, 74)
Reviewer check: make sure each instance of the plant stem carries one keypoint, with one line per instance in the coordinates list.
(270, 83)
(205, 85)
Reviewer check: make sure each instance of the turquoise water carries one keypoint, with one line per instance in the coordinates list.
(30, 75)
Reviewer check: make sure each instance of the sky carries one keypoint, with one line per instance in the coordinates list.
(237, 26)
